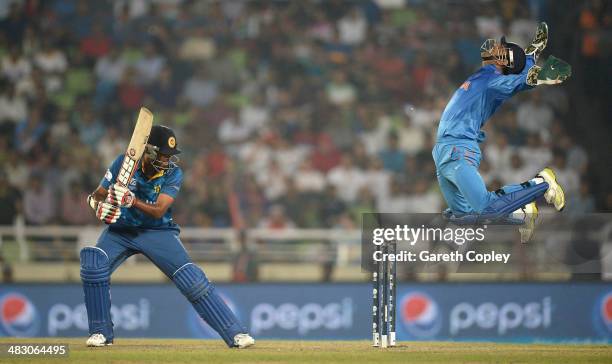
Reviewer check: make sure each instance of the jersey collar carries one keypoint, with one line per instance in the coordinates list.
(156, 175)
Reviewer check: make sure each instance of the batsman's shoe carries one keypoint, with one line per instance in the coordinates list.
(539, 41)
(531, 216)
(554, 195)
(243, 341)
(98, 340)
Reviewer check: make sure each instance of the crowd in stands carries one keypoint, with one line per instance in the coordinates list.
(296, 113)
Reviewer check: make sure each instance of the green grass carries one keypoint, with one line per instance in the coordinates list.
(267, 351)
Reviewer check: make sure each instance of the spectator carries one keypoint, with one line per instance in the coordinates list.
(308, 179)
(273, 181)
(201, 90)
(582, 202)
(353, 27)
(339, 91)
(498, 153)
(50, 59)
(535, 154)
(325, 156)
(74, 207)
(12, 108)
(347, 178)
(111, 144)
(392, 157)
(276, 219)
(39, 203)
(149, 66)
(517, 171)
(97, 44)
(232, 131)
(29, 132)
(570, 179)
(489, 24)
(534, 115)
(15, 66)
(111, 67)
(10, 200)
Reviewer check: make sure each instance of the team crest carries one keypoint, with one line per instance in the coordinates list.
(171, 142)
(157, 188)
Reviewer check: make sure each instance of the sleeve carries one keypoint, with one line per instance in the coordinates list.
(505, 86)
(172, 186)
(111, 173)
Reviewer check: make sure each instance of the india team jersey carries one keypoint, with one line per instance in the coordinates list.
(147, 190)
(477, 99)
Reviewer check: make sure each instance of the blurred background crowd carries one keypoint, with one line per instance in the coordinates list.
(289, 113)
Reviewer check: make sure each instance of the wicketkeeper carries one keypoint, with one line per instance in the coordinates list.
(506, 70)
(139, 220)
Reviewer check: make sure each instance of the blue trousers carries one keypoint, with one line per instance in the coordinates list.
(162, 247)
(460, 183)
(165, 250)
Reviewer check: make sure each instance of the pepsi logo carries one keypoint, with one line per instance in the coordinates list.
(420, 315)
(18, 316)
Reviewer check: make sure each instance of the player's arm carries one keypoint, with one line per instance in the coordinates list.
(105, 211)
(505, 86)
(122, 196)
(99, 194)
(157, 209)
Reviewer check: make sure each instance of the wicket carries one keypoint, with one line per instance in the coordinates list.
(384, 277)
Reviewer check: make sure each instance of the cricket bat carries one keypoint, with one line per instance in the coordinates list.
(137, 145)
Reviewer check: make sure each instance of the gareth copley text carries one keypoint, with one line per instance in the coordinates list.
(427, 256)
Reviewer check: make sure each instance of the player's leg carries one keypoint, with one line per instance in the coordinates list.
(457, 204)
(97, 264)
(166, 251)
(499, 203)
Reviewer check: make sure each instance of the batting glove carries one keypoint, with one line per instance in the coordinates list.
(121, 196)
(108, 212)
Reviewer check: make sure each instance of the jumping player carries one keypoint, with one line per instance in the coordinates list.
(506, 69)
(139, 220)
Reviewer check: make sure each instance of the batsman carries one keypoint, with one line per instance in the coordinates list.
(139, 217)
(506, 70)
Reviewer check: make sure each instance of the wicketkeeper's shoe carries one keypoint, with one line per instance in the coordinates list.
(531, 215)
(554, 195)
(243, 341)
(539, 41)
(98, 340)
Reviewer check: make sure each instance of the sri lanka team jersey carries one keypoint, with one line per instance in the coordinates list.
(147, 190)
(477, 99)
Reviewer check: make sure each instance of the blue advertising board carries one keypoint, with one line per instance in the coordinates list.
(514, 312)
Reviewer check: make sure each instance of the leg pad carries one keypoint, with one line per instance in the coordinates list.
(95, 274)
(194, 285)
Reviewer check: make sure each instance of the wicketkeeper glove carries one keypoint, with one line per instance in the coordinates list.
(121, 196)
(554, 71)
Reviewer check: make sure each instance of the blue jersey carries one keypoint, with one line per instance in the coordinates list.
(147, 190)
(477, 99)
